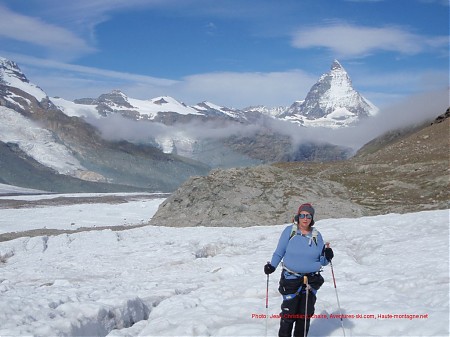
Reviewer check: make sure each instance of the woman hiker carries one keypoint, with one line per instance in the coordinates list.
(303, 252)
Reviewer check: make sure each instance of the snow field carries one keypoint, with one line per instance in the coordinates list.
(160, 281)
(82, 284)
(75, 216)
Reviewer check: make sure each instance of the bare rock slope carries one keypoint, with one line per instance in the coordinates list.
(251, 196)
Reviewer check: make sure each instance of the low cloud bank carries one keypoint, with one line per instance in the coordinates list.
(412, 111)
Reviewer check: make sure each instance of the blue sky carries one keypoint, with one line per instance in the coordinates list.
(233, 53)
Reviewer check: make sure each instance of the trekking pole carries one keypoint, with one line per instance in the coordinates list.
(305, 282)
(267, 303)
(335, 289)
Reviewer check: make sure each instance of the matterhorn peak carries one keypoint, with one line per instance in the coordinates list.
(336, 65)
(332, 101)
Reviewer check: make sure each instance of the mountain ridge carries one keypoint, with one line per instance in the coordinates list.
(331, 99)
(121, 164)
(179, 121)
(167, 138)
(183, 138)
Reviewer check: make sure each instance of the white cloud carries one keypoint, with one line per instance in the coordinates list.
(74, 81)
(211, 28)
(31, 30)
(347, 40)
(242, 89)
(230, 89)
(410, 111)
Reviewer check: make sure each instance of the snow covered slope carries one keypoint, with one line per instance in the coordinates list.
(391, 275)
(12, 76)
(75, 110)
(117, 102)
(75, 210)
(33, 139)
(37, 142)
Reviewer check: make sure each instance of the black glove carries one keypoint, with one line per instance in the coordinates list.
(268, 268)
(328, 252)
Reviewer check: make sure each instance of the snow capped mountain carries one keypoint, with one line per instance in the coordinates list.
(207, 133)
(117, 102)
(262, 109)
(163, 109)
(31, 138)
(155, 109)
(42, 146)
(12, 78)
(332, 102)
(211, 110)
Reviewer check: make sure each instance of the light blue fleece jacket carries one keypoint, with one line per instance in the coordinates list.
(299, 254)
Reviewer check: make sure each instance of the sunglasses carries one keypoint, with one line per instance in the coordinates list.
(307, 216)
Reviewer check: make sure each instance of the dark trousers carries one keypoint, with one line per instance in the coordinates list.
(293, 313)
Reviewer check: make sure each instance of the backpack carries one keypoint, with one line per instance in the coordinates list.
(314, 234)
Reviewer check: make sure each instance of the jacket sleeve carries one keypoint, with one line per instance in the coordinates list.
(281, 247)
